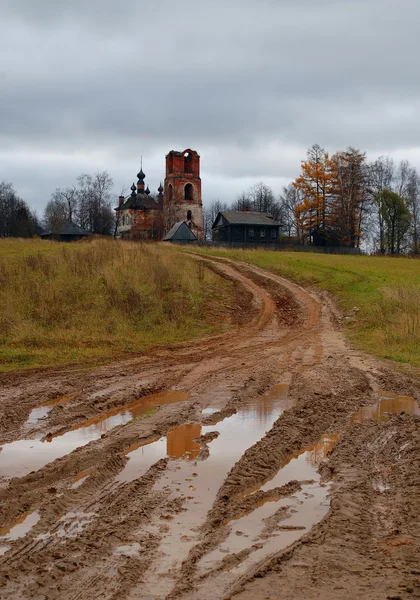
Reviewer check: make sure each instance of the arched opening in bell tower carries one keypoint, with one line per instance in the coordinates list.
(189, 192)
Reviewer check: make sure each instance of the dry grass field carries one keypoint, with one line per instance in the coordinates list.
(88, 301)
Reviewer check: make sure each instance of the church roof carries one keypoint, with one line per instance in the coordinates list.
(140, 201)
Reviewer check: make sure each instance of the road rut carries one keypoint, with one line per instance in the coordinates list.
(235, 465)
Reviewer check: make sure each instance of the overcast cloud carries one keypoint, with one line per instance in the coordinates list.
(250, 84)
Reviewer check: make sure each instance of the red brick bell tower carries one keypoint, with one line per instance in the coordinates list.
(182, 197)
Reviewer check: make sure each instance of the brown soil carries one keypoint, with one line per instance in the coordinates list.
(140, 494)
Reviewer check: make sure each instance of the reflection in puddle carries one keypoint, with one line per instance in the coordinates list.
(40, 412)
(20, 527)
(200, 481)
(81, 478)
(37, 414)
(180, 441)
(177, 444)
(23, 456)
(301, 465)
(388, 404)
(210, 411)
(272, 526)
(237, 433)
(142, 457)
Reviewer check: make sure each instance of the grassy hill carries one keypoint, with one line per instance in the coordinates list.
(92, 301)
(88, 301)
(385, 292)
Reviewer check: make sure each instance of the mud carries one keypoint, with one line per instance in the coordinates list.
(267, 462)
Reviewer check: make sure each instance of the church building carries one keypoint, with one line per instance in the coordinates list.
(144, 216)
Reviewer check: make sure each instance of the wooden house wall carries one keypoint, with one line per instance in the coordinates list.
(242, 233)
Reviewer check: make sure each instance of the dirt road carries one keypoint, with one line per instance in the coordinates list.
(272, 462)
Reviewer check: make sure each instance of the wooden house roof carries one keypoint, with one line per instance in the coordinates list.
(246, 217)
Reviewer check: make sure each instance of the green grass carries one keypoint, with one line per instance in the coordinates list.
(386, 292)
(86, 302)
(148, 413)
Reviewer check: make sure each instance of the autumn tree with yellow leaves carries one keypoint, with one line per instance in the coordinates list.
(316, 185)
(335, 195)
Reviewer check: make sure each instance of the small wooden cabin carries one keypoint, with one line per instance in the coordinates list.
(246, 227)
(65, 231)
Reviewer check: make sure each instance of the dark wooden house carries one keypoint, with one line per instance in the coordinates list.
(65, 231)
(245, 227)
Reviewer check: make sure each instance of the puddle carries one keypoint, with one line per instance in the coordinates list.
(276, 523)
(179, 443)
(4, 549)
(23, 456)
(237, 433)
(20, 527)
(210, 411)
(200, 481)
(130, 550)
(301, 466)
(81, 478)
(37, 414)
(142, 457)
(40, 412)
(389, 403)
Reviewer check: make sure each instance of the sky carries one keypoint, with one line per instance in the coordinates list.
(93, 85)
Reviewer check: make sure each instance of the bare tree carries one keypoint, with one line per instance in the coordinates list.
(402, 178)
(87, 204)
(263, 199)
(381, 176)
(210, 213)
(288, 200)
(259, 198)
(69, 197)
(94, 209)
(55, 213)
(413, 199)
(242, 202)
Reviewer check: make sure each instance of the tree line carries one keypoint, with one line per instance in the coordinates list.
(341, 200)
(337, 200)
(87, 203)
(16, 218)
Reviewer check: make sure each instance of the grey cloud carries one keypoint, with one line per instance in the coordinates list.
(249, 84)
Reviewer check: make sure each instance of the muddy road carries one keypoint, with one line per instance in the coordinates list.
(272, 462)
